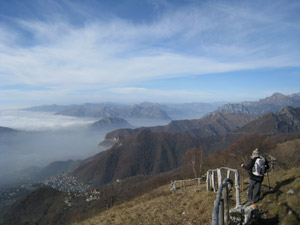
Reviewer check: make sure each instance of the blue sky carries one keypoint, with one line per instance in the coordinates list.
(72, 51)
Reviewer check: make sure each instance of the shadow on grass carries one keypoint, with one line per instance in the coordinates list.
(276, 189)
(293, 212)
(269, 221)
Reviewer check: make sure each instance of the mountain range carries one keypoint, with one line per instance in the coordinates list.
(145, 110)
(148, 110)
(286, 120)
(158, 149)
(157, 154)
(270, 104)
(215, 124)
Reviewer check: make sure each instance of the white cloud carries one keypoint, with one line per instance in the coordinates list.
(213, 38)
(32, 121)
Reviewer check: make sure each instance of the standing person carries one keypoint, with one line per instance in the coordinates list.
(256, 168)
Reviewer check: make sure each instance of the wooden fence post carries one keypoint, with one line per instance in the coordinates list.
(237, 187)
(174, 185)
(219, 178)
(226, 206)
(213, 181)
(228, 173)
(221, 212)
(207, 180)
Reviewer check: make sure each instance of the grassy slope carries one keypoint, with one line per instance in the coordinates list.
(278, 206)
(161, 207)
(194, 207)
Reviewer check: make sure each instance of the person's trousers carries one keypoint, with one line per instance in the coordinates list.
(254, 190)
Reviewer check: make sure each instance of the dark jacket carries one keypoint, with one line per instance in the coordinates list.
(251, 165)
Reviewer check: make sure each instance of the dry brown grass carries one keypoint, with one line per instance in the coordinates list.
(277, 204)
(288, 153)
(161, 207)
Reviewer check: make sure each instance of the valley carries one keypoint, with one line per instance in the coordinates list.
(139, 161)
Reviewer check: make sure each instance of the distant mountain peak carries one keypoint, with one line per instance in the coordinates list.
(269, 104)
(277, 98)
(286, 120)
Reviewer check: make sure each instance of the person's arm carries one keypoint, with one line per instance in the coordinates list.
(249, 166)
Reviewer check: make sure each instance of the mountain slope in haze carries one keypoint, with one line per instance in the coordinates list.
(48, 108)
(143, 153)
(113, 110)
(56, 168)
(286, 120)
(263, 106)
(36, 174)
(95, 110)
(110, 123)
(143, 110)
(148, 151)
(6, 130)
(187, 110)
(216, 124)
(34, 206)
(156, 204)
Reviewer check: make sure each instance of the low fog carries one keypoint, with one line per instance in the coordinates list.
(24, 149)
(43, 138)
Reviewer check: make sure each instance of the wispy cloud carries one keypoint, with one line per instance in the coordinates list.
(212, 37)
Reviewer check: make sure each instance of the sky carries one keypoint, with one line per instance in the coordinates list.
(73, 51)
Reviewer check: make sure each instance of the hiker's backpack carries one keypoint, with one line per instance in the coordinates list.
(259, 166)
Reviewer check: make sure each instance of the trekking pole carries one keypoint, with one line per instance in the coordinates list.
(268, 180)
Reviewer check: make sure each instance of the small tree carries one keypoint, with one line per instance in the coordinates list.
(194, 158)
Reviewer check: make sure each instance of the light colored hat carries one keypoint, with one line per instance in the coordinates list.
(255, 153)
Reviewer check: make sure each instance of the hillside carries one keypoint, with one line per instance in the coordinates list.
(109, 124)
(161, 206)
(286, 120)
(215, 124)
(143, 153)
(148, 159)
(263, 106)
(54, 207)
(278, 206)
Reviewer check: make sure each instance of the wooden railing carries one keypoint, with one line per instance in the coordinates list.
(220, 215)
(176, 184)
(211, 185)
